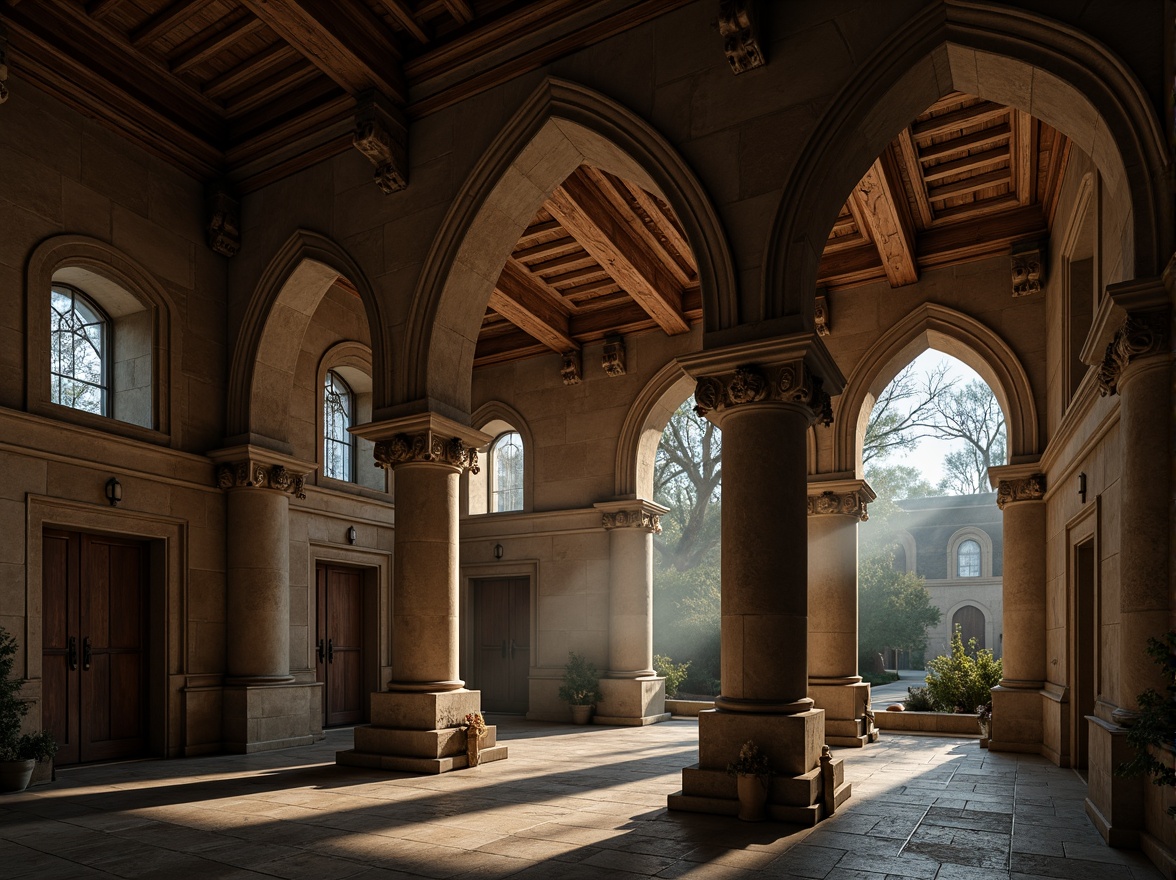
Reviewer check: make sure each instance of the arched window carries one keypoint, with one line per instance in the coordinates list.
(79, 350)
(506, 473)
(968, 559)
(338, 416)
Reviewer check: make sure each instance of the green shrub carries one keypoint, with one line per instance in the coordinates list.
(673, 673)
(918, 700)
(581, 682)
(961, 681)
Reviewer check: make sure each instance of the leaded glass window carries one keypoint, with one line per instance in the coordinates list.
(338, 415)
(968, 560)
(79, 351)
(506, 473)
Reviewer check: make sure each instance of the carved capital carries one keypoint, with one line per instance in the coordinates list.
(224, 222)
(571, 369)
(632, 519)
(1143, 334)
(791, 382)
(1031, 488)
(426, 446)
(381, 136)
(1028, 265)
(260, 475)
(738, 28)
(851, 503)
(613, 360)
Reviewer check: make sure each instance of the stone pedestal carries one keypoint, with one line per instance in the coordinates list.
(416, 724)
(834, 511)
(633, 694)
(259, 717)
(764, 397)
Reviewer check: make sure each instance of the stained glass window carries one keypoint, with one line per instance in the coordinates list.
(338, 412)
(506, 473)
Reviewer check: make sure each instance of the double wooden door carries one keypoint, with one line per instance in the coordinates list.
(339, 643)
(95, 645)
(502, 614)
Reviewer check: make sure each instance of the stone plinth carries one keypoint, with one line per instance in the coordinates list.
(632, 702)
(260, 717)
(847, 720)
(1016, 720)
(1114, 803)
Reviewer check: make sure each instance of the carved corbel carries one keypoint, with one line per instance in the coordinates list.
(821, 319)
(614, 356)
(738, 27)
(3, 67)
(1031, 488)
(224, 222)
(1028, 266)
(381, 135)
(571, 370)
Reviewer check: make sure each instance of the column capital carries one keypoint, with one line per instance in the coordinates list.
(635, 514)
(1143, 334)
(424, 438)
(254, 467)
(840, 498)
(1017, 482)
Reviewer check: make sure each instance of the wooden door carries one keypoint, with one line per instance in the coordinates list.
(1084, 691)
(339, 643)
(970, 620)
(94, 660)
(502, 614)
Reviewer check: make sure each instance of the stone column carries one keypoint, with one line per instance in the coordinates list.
(1017, 702)
(633, 693)
(764, 397)
(264, 707)
(416, 723)
(834, 511)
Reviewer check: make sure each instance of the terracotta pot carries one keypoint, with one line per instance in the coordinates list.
(753, 797)
(473, 747)
(15, 775)
(581, 714)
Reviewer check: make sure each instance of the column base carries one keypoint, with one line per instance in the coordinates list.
(419, 733)
(1114, 803)
(632, 702)
(261, 717)
(792, 744)
(848, 721)
(1016, 720)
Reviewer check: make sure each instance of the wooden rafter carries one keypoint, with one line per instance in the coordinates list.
(1024, 164)
(99, 9)
(249, 70)
(583, 212)
(883, 209)
(404, 17)
(914, 168)
(460, 10)
(526, 302)
(164, 21)
(985, 111)
(203, 49)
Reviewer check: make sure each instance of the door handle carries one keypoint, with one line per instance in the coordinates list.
(504, 649)
(87, 653)
(512, 647)
(72, 657)
(321, 650)
(330, 651)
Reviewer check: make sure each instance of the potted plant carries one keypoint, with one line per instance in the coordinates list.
(753, 776)
(18, 753)
(984, 719)
(580, 688)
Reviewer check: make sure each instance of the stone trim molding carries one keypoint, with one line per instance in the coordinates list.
(791, 382)
(1142, 334)
(1030, 488)
(260, 475)
(634, 514)
(427, 446)
(852, 503)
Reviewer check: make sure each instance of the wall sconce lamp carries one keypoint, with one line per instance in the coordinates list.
(352, 535)
(497, 551)
(114, 491)
(1082, 486)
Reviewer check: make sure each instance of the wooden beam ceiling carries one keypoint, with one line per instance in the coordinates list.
(882, 206)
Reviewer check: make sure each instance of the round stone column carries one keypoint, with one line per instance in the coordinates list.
(631, 526)
(1022, 499)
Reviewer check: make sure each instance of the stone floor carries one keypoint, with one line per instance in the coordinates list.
(570, 803)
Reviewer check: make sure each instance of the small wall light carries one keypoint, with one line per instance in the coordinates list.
(114, 491)
(497, 551)
(1082, 486)
(352, 535)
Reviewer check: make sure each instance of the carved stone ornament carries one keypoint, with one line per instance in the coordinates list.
(1028, 271)
(839, 503)
(1140, 336)
(792, 382)
(821, 316)
(614, 357)
(632, 519)
(3, 68)
(426, 446)
(224, 223)
(1030, 488)
(381, 137)
(259, 475)
(570, 371)
(737, 26)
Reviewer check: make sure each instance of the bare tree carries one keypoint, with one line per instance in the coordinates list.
(971, 415)
(904, 412)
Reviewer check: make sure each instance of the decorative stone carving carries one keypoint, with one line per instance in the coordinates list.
(426, 446)
(1028, 269)
(839, 503)
(1031, 488)
(632, 519)
(614, 356)
(259, 475)
(224, 222)
(380, 134)
(3, 68)
(1141, 335)
(571, 368)
(737, 26)
(791, 382)
(821, 316)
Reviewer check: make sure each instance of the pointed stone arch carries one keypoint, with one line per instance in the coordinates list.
(956, 334)
(561, 126)
(283, 302)
(1015, 57)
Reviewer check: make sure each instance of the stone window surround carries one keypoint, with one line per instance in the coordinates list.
(969, 533)
(496, 418)
(492, 487)
(129, 289)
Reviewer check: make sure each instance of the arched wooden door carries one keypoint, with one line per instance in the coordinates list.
(970, 620)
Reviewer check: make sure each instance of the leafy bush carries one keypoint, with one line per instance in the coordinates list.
(1155, 724)
(581, 681)
(673, 673)
(918, 700)
(961, 681)
(13, 745)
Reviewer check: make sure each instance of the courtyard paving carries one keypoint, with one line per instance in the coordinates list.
(569, 803)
